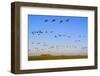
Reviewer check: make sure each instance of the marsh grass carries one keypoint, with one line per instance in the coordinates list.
(54, 57)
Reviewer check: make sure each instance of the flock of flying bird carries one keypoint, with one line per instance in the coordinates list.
(60, 21)
(55, 36)
(40, 32)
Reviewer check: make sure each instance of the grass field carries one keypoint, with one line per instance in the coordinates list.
(54, 57)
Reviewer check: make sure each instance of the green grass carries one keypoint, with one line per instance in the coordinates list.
(54, 57)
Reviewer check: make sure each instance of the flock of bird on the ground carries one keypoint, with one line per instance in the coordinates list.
(40, 32)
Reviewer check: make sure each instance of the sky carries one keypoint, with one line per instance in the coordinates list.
(57, 35)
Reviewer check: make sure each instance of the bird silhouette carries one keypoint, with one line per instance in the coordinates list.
(51, 31)
(38, 34)
(67, 20)
(55, 36)
(59, 35)
(61, 21)
(46, 20)
(77, 40)
(38, 43)
(40, 31)
(32, 43)
(53, 20)
(33, 33)
(52, 47)
(69, 36)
